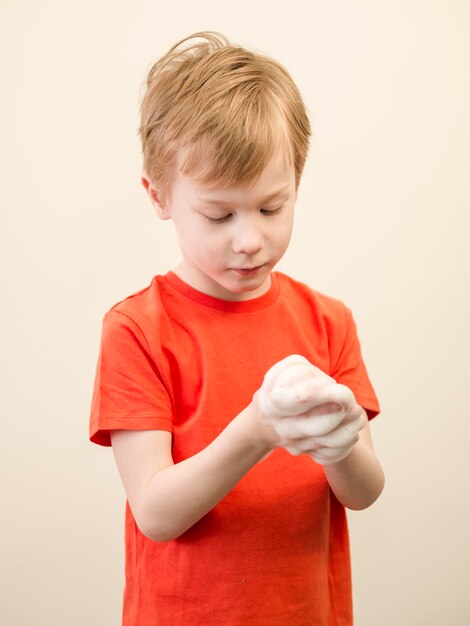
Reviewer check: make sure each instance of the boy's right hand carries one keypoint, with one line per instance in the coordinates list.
(309, 410)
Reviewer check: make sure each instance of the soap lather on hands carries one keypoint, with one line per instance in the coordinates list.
(310, 412)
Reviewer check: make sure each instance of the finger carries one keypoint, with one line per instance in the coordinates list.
(300, 446)
(300, 389)
(280, 366)
(314, 393)
(323, 409)
(294, 450)
(328, 456)
(343, 396)
(287, 395)
(294, 389)
(299, 427)
(346, 434)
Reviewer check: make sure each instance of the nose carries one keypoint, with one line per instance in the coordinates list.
(248, 238)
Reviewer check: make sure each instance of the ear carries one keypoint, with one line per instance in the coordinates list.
(155, 197)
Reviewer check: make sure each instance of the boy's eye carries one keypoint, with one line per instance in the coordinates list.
(217, 220)
(271, 211)
(224, 218)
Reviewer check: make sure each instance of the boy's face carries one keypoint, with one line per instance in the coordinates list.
(231, 238)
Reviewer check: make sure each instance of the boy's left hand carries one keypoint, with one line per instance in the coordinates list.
(326, 430)
(334, 445)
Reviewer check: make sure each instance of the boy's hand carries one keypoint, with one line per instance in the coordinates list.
(309, 411)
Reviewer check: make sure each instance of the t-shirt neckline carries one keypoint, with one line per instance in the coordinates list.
(229, 306)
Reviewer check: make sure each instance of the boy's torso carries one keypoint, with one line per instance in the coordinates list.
(265, 552)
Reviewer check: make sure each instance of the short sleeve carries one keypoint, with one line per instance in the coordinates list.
(348, 367)
(129, 390)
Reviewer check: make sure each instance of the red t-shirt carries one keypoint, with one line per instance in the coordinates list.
(275, 550)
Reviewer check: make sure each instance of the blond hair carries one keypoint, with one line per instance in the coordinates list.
(219, 112)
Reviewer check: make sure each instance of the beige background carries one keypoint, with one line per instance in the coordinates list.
(382, 223)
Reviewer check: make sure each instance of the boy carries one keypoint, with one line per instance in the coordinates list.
(235, 398)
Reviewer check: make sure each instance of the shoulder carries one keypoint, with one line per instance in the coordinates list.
(143, 311)
(140, 300)
(144, 302)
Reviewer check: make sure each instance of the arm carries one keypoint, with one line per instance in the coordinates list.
(167, 499)
(357, 480)
(313, 414)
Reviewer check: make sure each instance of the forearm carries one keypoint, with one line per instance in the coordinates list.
(357, 481)
(177, 497)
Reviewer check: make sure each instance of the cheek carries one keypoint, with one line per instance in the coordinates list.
(207, 245)
(285, 232)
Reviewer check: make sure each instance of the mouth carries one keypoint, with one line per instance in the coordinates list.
(247, 271)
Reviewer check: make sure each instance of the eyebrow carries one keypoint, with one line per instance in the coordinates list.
(216, 202)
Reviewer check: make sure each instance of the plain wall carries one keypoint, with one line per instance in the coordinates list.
(382, 223)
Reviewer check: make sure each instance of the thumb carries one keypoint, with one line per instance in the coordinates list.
(281, 366)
